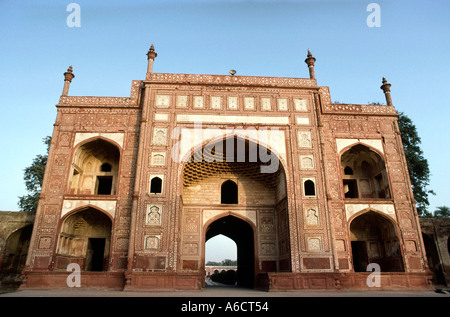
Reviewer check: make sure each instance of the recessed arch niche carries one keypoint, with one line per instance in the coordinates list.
(85, 238)
(364, 173)
(261, 199)
(95, 168)
(374, 239)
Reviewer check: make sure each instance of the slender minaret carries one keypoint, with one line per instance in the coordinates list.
(310, 60)
(386, 87)
(151, 54)
(68, 76)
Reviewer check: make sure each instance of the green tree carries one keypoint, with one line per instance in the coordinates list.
(212, 263)
(228, 262)
(442, 211)
(33, 177)
(419, 171)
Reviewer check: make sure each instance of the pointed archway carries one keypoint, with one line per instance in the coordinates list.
(242, 182)
(95, 168)
(364, 173)
(85, 239)
(242, 234)
(374, 239)
(15, 251)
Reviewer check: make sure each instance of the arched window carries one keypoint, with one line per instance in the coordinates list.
(106, 167)
(310, 189)
(348, 170)
(367, 176)
(95, 167)
(156, 185)
(229, 192)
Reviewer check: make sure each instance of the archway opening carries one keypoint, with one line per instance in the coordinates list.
(364, 173)
(85, 239)
(95, 168)
(220, 260)
(15, 251)
(259, 194)
(242, 234)
(374, 240)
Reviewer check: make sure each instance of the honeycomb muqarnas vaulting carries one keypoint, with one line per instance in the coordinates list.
(312, 192)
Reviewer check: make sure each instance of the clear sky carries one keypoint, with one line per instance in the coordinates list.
(411, 48)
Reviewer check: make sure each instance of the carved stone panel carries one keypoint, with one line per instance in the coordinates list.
(159, 136)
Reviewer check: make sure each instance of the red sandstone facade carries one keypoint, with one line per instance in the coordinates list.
(132, 189)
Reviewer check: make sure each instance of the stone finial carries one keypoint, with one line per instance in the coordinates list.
(151, 51)
(386, 87)
(310, 60)
(68, 76)
(151, 55)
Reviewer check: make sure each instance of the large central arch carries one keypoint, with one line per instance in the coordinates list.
(242, 234)
(239, 192)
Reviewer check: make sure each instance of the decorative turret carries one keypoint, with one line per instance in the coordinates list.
(68, 76)
(386, 87)
(151, 54)
(310, 60)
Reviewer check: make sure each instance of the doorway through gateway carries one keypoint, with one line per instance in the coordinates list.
(242, 234)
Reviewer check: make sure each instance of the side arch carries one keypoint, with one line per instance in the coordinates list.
(369, 177)
(84, 238)
(87, 175)
(374, 238)
(14, 253)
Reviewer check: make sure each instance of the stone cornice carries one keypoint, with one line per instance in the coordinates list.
(94, 101)
(228, 80)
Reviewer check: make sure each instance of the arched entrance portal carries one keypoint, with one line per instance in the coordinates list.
(232, 180)
(242, 234)
(374, 240)
(95, 168)
(15, 251)
(85, 239)
(364, 173)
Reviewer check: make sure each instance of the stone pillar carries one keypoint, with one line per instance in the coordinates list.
(151, 54)
(310, 60)
(386, 87)
(68, 76)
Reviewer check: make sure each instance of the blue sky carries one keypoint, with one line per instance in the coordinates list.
(258, 38)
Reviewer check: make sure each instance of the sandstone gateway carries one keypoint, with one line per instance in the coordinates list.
(311, 191)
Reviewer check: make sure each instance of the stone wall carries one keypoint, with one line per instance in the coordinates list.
(436, 235)
(15, 235)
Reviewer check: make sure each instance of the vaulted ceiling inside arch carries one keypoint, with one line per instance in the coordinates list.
(242, 158)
